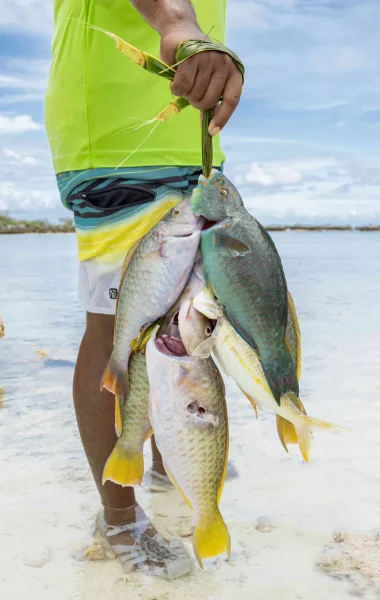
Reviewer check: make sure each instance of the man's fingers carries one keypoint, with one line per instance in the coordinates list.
(213, 92)
(201, 85)
(230, 100)
(185, 77)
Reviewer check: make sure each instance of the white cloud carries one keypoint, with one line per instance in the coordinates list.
(19, 124)
(300, 208)
(15, 158)
(27, 182)
(19, 15)
(23, 81)
(14, 198)
(273, 174)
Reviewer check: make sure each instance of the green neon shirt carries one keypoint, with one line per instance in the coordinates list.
(95, 92)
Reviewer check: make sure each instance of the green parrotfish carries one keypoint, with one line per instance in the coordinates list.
(244, 271)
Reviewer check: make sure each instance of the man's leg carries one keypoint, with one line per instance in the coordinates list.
(95, 411)
(136, 545)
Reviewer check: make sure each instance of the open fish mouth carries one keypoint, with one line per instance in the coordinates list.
(170, 346)
(190, 233)
(208, 224)
(185, 235)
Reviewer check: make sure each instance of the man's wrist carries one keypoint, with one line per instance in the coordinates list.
(166, 16)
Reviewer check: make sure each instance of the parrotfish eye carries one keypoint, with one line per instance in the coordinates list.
(175, 211)
(208, 331)
(224, 192)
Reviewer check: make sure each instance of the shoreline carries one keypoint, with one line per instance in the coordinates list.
(64, 229)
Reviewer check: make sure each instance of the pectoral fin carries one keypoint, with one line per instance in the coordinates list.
(230, 245)
(115, 378)
(205, 348)
(251, 400)
(118, 417)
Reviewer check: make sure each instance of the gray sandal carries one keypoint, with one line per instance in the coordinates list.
(151, 555)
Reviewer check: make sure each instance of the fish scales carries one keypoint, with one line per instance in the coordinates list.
(154, 275)
(187, 409)
(243, 268)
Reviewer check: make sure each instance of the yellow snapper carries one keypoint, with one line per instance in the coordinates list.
(239, 360)
(154, 274)
(187, 409)
(125, 465)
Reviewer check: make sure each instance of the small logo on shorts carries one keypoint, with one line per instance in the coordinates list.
(113, 294)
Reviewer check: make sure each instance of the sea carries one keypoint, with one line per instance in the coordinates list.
(299, 531)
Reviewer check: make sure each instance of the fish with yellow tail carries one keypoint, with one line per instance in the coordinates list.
(243, 364)
(125, 465)
(187, 409)
(154, 275)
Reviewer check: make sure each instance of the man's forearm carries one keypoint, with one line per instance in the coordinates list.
(165, 15)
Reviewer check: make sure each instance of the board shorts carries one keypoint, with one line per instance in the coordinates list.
(113, 209)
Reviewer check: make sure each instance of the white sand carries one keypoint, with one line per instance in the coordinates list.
(48, 501)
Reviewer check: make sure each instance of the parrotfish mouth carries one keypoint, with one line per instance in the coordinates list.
(208, 225)
(170, 346)
(193, 232)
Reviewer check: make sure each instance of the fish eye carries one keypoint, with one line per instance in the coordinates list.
(224, 192)
(208, 331)
(175, 211)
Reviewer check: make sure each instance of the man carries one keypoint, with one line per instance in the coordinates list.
(94, 95)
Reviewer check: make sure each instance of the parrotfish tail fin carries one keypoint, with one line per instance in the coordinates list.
(115, 378)
(281, 374)
(124, 466)
(211, 538)
(285, 429)
(118, 417)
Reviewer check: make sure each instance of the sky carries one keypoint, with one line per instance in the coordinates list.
(304, 144)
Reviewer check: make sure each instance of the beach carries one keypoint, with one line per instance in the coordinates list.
(281, 512)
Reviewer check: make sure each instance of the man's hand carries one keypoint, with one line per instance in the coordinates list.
(204, 78)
